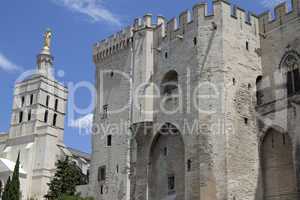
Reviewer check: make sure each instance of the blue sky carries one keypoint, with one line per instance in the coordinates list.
(77, 25)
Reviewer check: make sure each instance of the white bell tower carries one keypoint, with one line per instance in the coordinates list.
(37, 124)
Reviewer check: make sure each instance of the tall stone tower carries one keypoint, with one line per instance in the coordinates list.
(175, 144)
(37, 125)
(203, 108)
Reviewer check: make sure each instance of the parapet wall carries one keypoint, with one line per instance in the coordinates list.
(281, 16)
(199, 16)
(111, 45)
(170, 29)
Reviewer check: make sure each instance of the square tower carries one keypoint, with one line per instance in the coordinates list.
(37, 125)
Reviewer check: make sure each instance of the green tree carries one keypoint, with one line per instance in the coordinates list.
(1, 188)
(14, 187)
(6, 188)
(67, 176)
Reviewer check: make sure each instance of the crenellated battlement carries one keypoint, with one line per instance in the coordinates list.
(281, 16)
(113, 44)
(200, 16)
(121, 40)
(238, 11)
(170, 29)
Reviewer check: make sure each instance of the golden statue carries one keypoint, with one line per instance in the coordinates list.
(47, 39)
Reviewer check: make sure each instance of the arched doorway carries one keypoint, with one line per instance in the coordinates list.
(167, 168)
(279, 178)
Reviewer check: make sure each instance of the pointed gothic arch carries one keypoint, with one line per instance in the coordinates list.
(277, 163)
(290, 66)
(166, 172)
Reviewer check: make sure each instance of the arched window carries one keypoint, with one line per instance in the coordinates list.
(169, 83)
(54, 119)
(259, 90)
(46, 116)
(290, 64)
(56, 104)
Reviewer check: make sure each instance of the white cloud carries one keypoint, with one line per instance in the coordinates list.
(92, 8)
(270, 4)
(84, 122)
(7, 65)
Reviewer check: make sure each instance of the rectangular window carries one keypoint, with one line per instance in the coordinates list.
(171, 184)
(46, 116)
(47, 100)
(54, 119)
(293, 82)
(31, 99)
(105, 110)
(56, 104)
(165, 151)
(109, 139)
(289, 83)
(259, 87)
(20, 116)
(101, 189)
(296, 80)
(29, 115)
(23, 101)
(189, 165)
(247, 46)
(102, 173)
(259, 96)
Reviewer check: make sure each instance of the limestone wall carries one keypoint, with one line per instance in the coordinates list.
(223, 52)
(278, 110)
(242, 66)
(113, 89)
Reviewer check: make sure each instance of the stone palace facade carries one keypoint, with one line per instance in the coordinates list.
(239, 139)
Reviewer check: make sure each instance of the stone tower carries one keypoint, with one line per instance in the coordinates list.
(177, 108)
(37, 125)
(173, 145)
